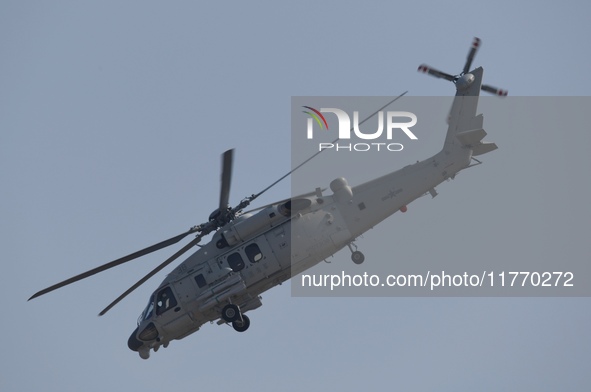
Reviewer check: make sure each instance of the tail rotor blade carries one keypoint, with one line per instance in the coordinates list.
(471, 54)
(494, 90)
(433, 72)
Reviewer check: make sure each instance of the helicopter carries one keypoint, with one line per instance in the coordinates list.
(251, 252)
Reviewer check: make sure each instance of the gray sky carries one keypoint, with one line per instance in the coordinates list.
(112, 120)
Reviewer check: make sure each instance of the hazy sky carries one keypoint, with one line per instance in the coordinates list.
(113, 117)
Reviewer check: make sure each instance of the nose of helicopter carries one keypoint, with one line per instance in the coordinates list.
(133, 343)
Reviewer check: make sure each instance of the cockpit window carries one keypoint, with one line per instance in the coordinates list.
(165, 301)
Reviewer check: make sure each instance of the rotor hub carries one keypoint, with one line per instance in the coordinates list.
(464, 81)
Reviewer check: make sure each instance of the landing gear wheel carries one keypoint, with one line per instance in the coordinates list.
(241, 326)
(357, 257)
(231, 313)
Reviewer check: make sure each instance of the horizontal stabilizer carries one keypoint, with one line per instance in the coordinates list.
(483, 148)
(472, 137)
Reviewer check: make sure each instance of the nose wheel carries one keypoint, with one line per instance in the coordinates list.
(356, 255)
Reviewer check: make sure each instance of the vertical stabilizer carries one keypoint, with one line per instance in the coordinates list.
(462, 116)
(465, 126)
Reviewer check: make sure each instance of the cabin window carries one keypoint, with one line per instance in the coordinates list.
(200, 280)
(235, 262)
(253, 252)
(165, 300)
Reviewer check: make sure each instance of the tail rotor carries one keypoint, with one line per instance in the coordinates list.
(464, 78)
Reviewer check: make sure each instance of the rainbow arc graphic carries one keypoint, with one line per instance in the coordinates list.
(316, 115)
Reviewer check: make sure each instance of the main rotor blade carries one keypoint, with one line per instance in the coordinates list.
(433, 72)
(117, 262)
(471, 54)
(314, 156)
(227, 159)
(153, 272)
(282, 201)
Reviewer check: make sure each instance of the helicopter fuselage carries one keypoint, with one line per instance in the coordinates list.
(254, 253)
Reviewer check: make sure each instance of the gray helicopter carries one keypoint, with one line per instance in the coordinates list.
(249, 253)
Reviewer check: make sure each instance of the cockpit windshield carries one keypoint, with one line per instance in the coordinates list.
(147, 313)
(165, 301)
